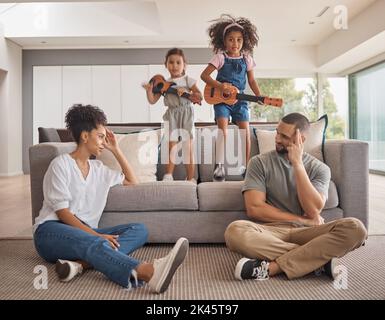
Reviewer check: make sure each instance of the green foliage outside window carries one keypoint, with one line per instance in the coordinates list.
(304, 101)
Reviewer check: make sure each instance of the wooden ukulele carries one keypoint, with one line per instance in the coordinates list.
(214, 96)
(160, 85)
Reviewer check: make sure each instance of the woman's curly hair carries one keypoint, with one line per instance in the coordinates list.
(249, 33)
(81, 118)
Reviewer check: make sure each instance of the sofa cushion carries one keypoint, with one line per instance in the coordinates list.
(206, 139)
(153, 196)
(141, 151)
(227, 196)
(221, 196)
(235, 154)
(48, 135)
(180, 168)
(314, 143)
(206, 146)
(332, 201)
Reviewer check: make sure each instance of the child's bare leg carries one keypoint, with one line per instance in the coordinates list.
(189, 157)
(172, 150)
(245, 126)
(221, 140)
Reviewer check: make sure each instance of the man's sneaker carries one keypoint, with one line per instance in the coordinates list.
(219, 173)
(164, 268)
(168, 177)
(67, 270)
(252, 269)
(328, 269)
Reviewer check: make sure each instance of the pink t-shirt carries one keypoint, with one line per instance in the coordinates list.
(219, 60)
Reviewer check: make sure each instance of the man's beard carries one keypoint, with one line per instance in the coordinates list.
(280, 149)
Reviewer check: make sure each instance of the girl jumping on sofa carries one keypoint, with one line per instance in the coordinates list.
(180, 112)
(75, 192)
(233, 41)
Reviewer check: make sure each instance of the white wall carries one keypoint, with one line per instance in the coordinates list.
(285, 61)
(116, 89)
(10, 107)
(3, 131)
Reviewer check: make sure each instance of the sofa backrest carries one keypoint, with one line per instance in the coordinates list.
(204, 148)
(40, 156)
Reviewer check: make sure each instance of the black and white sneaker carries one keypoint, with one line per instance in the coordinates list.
(219, 173)
(67, 270)
(252, 269)
(328, 269)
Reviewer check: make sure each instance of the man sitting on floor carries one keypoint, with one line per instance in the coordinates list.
(287, 190)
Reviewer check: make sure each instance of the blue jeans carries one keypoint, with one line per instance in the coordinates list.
(56, 240)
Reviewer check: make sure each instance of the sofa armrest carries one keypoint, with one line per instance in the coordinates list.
(40, 156)
(349, 164)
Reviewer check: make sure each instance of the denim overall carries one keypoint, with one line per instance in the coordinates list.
(233, 71)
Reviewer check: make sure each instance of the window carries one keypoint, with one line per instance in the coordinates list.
(367, 116)
(301, 95)
(335, 105)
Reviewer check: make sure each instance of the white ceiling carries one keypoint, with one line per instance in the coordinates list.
(293, 38)
(164, 23)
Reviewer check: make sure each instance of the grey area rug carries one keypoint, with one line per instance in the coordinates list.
(207, 273)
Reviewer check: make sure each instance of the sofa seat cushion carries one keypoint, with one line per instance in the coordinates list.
(153, 196)
(221, 196)
(227, 196)
(332, 201)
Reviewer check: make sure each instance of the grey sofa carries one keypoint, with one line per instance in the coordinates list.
(202, 212)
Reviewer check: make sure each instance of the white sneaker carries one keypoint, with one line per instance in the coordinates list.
(219, 173)
(164, 268)
(192, 180)
(168, 177)
(67, 270)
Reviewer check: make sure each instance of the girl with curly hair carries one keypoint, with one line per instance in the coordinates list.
(233, 40)
(75, 192)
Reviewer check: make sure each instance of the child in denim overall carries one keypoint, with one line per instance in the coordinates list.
(233, 41)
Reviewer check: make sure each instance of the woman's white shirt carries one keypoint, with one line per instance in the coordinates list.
(65, 187)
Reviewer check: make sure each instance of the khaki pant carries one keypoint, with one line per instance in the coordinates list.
(297, 250)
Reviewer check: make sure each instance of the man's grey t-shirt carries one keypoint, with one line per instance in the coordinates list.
(273, 174)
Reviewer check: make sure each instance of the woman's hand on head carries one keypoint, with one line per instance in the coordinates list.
(112, 239)
(110, 141)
